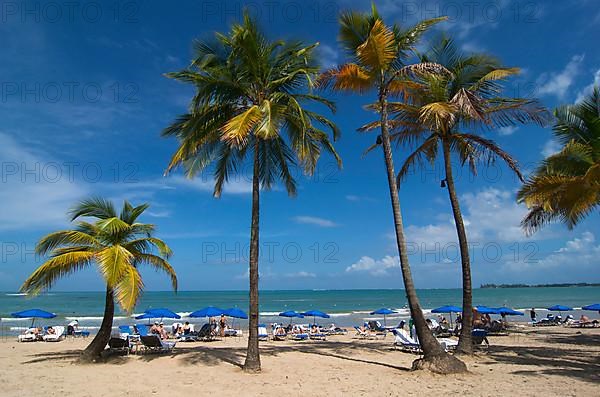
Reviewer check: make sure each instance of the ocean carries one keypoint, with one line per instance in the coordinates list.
(346, 307)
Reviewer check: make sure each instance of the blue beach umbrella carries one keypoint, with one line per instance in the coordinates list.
(234, 312)
(448, 309)
(158, 313)
(209, 311)
(385, 312)
(507, 311)
(315, 313)
(486, 310)
(33, 313)
(594, 307)
(291, 314)
(560, 308)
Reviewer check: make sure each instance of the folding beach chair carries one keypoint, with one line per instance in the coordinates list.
(153, 344)
(118, 345)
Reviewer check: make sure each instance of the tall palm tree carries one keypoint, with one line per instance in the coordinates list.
(444, 114)
(566, 186)
(377, 55)
(117, 244)
(250, 103)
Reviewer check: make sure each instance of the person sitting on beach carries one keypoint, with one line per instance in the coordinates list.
(162, 331)
(222, 325)
(280, 331)
(50, 331)
(155, 330)
(442, 321)
(186, 328)
(314, 329)
(213, 326)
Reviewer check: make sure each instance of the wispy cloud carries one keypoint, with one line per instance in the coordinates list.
(550, 147)
(587, 90)
(301, 274)
(508, 130)
(375, 267)
(558, 83)
(313, 220)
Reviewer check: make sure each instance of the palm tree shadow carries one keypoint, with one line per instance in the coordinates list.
(582, 363)
(53, 356)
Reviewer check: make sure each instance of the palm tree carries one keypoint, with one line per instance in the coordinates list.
(566, 186)
(117, 244)
(250, 103)
(444, 113)
(377, 62)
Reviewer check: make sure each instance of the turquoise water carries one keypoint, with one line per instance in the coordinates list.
(347, 307)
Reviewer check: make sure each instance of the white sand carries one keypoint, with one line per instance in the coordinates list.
(543, 361)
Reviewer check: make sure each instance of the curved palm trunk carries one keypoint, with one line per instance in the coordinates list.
(434, 356)
(465, 343)
(252, 363)
(96, 347)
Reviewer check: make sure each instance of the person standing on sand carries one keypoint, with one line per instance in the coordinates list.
(533, 315)
(222, 325)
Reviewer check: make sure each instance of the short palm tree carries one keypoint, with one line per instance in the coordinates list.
(250, 105)
(377, 62)
(443, 115)
(566, 186)
(116, 244)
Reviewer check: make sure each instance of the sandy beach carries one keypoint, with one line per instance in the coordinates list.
(530, 361)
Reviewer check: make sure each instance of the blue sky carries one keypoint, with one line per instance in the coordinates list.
(83, 101)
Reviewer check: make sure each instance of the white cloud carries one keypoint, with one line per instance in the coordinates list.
(509, 130)
(313, 220)
(558, 83)
(301, 274)
(355, 198)
(375, 267)
(589, 89)
(551, 147)
(35, 191)
(580, 251)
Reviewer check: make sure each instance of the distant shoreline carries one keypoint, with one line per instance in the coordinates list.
(561, 285)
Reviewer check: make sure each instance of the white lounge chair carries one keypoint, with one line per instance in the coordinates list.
(28, 336)
(403, 340)
(262, 332)
(58, 334)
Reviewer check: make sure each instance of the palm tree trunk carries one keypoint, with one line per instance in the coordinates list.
(94, 350)
(434, 356)
(465, 343)
(252, 363)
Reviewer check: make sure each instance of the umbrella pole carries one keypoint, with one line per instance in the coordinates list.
(451, 320)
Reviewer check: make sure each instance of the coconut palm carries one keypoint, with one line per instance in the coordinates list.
(566, 186)
(116, 244)
(377, 62)
(444, 115)
(249, 106)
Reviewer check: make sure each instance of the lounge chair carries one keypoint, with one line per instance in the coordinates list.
(479, 337)
(301, 336)
(118, 345)
(262, 332)
(153, 344)
(406, 342)
(29, 336)
(189, 335)
(58, 334)
(125, 331)
(365, 334)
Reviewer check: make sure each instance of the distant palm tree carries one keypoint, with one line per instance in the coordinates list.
(249, 92)
(377, 62)
(566, 186)
(441, 109)
(117, 244)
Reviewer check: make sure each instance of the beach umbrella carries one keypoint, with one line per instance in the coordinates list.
(158, 313)
(385, 312)
(448, 309)
(291, 314)
(33, 314)
(594, 307)
(209, 311)
(234, 312)
(486, 310)
(560, 308)
(507, 311)
(315, 313)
